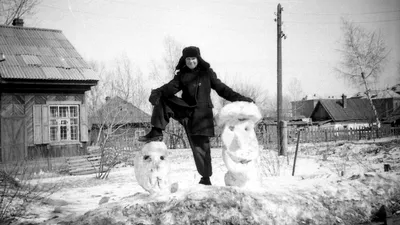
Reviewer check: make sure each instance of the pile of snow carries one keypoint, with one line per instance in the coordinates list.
(347, 201)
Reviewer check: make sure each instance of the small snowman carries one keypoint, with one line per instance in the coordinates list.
(152, 169)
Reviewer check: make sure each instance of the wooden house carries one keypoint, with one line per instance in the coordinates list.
(394, 118)
(385, 101)
(344, 113)
(120, 118)
(396, 88)
(43, 80)
(303, 108)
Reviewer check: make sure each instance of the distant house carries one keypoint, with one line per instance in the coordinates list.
(396, 88)
(43, 80)
(394, 118)
(120, 115)
(343, 113)
(303, 108)
(385, 101)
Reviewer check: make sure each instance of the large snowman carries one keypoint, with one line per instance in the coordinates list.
(240, 151)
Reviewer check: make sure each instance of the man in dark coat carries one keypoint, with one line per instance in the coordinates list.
(195, 79)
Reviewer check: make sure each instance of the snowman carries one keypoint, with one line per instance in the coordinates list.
(152, 168)
(240, 151)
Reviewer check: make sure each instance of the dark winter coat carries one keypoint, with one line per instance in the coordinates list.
(196, 92)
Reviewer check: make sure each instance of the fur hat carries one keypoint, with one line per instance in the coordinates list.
(192, 51)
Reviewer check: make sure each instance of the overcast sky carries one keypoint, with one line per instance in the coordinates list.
(237, 37)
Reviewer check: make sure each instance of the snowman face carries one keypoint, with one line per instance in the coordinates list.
(240, 141)
(152, 167)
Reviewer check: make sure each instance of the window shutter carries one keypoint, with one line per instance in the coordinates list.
(45, 124)
(84, 124)
(37, 124)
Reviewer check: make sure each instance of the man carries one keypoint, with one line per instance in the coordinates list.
(195, 78)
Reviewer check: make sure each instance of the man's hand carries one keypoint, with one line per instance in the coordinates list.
(155, 96)
(247, 99)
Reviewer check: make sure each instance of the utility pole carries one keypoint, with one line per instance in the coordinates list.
(280, 35)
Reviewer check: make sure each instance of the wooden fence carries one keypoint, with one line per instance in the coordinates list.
(126, 147)
(268, 137)
(326, 135)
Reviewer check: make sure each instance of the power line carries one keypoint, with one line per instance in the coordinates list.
(314, 22)
(171, 10)
(342, 14)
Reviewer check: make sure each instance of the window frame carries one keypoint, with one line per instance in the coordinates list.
(67, 119)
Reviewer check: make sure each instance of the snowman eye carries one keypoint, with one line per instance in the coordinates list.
(162, 157)
(146, 157)
(231, 128)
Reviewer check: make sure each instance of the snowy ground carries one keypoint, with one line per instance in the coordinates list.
(326, 161)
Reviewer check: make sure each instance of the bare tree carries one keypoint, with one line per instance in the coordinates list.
(172, 54)
(13, 9)
(272, 106)
(96, 95)
(295, 93)
(123, 74)
(363, 58)
(253, 91)
(110, 120)
(398, 72)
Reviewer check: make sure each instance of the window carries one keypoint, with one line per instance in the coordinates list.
(139, 132)
(64, 123)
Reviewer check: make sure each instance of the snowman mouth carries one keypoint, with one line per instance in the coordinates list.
(245, 161)
(238, 159)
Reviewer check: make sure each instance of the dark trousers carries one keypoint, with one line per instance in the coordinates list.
(177, 109)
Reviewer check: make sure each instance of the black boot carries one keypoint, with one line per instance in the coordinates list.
(205, 181)
(154, 135)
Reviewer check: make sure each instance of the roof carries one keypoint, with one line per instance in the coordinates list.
(396, 88)
(40, 54)
(356, 109)
(118, 111)
(379, 94)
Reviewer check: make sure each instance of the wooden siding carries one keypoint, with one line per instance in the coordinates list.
(22, 105)
(321, 114)
(53, 151)
(29, 102)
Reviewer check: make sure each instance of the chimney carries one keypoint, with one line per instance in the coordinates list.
(344, 101)
(17, 22)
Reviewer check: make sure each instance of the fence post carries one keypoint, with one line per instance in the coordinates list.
(295, 153)
(284, 140)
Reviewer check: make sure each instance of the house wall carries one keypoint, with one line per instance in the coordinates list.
(303, 108)
(320, 114)
(21, 105)
(385, 106)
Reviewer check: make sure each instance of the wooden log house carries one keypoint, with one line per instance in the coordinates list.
(43, 80)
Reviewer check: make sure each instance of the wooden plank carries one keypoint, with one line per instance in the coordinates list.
(84, 159)
(83, 172)
(97, 163)
(86, 164)
(84, 169)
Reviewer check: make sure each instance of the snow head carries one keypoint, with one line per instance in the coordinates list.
(240, 150)
(152, 168)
